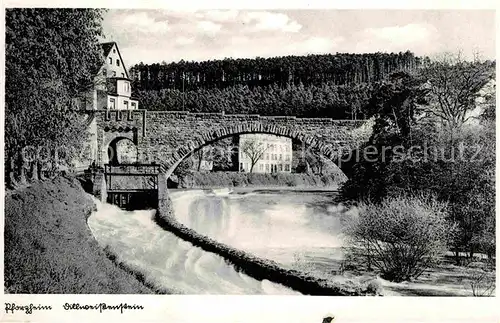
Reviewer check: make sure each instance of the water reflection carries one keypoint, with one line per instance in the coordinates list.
(298, 230)
(168, 261)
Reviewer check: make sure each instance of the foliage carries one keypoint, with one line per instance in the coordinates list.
(400, 237)
(454, 86)
(221, 153)
(51, 58)
(184, 168)
(482, 280)
(336, 86)
(340, 68)
(468, 183)
(456, 165)
(324, 100)
(393, 106)
(316, 161)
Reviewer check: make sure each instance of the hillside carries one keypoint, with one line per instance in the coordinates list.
(338, 69)
(334, 86)
(50, 249)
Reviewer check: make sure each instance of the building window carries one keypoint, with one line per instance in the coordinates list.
(287, 167)
(267, 167)
(114, 50)
(104, 72)
(287, 157)
(280, 167)
(132, 105)
(110, 60)
(112, 104)
(117, 62)
(126, 104)
(267, 156)
(281, 156)
(261, 167)
(241, 166)
(114, 73)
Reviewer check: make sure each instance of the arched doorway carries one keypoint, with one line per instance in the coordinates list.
(122, 151)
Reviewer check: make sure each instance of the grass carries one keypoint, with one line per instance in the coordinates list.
(50, 249)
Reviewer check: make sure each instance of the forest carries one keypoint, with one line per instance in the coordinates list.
(337, 68)
(333, 85)
(326, 100)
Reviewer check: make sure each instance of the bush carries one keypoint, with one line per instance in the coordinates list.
(375, 287)
(400, 237)
(482, 278)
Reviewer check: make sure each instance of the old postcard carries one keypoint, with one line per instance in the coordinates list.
(187, 163)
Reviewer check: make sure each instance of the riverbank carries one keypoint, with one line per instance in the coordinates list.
(50, 249)
(258, 267)
(255, 180)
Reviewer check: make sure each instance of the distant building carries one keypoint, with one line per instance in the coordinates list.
(276, 156)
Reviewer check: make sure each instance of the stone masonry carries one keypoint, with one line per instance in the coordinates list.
(167, 137)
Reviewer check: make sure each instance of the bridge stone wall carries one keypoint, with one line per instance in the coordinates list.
(166, 137)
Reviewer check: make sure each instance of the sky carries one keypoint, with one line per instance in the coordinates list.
(153, 36)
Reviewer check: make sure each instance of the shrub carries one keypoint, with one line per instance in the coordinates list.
(375, 287)
(400, 237)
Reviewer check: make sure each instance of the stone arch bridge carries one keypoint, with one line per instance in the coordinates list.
(168, 137)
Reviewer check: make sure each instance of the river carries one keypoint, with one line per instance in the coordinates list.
(299, 230)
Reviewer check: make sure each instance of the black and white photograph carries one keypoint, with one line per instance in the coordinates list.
(265, 152)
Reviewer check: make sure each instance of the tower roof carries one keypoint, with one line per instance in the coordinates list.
(106, 47)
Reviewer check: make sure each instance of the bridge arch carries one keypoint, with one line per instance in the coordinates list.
(121, 150)
(207, 138)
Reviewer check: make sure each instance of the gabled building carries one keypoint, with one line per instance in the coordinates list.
(112, 89)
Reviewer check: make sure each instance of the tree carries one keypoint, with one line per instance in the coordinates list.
(254, 150)
(457, 169)
(200, 155)
(400, 237)
(52, 56)
(393, 105)
(454, 86)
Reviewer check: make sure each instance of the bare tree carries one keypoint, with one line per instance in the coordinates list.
(254, 149)
(454, 85)
(200, 155)
(316, 161)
